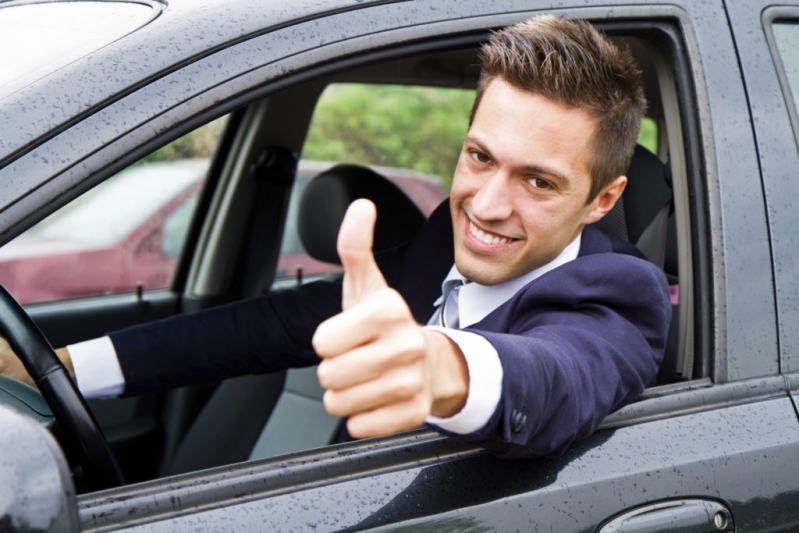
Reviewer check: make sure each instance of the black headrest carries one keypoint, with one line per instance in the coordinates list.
(646, 193)
(326, 198)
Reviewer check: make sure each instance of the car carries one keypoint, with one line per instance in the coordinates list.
(145, 212)
(710, 446)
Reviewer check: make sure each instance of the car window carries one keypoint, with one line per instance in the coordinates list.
(410, 134)
(648, 134)
(126, 231)
(786, 36)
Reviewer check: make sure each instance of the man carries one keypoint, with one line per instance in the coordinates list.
(550, 325)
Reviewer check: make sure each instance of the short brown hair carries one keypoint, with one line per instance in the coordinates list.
(570, 62)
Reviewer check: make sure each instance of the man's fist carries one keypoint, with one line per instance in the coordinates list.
(381, 368)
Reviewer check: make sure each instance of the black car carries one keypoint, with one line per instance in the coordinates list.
(712, 446)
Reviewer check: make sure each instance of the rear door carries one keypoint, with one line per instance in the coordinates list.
(767, 36)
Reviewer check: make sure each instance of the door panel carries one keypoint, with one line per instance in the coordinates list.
(764, 66)
(741, 456)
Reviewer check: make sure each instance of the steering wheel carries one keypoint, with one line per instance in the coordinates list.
(80, 435)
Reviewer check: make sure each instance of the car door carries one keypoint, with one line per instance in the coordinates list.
(711, 452)
(769, 30)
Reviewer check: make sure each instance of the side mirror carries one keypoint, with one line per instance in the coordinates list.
(37, 493)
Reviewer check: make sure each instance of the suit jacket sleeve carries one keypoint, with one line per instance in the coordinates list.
(260, 334)
(273, 331)
(575, 345)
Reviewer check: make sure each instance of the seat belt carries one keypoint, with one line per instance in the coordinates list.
(273, 173)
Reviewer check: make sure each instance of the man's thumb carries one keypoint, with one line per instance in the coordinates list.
(361, 275)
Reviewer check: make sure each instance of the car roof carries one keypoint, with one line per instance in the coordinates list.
(181, 30)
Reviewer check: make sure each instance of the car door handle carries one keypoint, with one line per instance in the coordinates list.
(677, 516)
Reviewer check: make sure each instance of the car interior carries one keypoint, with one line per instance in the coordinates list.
(232, 249)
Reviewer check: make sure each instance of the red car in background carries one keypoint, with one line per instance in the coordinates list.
(130, 229)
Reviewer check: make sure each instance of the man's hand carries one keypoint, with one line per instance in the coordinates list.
(11, 366)
(381, 368)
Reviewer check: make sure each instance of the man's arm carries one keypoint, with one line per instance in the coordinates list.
(574, 348)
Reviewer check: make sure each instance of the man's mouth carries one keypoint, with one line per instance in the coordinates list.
(486, 238)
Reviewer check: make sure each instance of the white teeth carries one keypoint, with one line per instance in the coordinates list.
(482, 236)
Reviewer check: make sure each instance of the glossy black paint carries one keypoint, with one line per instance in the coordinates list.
(423, 482)
(37, 493)
(731, 437)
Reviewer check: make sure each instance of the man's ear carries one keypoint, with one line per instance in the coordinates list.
(606, 199)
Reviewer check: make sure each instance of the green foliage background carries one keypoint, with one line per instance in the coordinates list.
(419, 128)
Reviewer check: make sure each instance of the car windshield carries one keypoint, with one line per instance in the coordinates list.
(73, 29)
(117, 206)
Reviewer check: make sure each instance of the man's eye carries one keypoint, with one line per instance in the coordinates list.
(479, 156)
(539, 183)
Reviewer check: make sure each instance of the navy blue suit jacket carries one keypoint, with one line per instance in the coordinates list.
(575, 344)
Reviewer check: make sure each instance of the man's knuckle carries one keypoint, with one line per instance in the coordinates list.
(332, 404)
(407, 385)
(323, 375)
(412, 417)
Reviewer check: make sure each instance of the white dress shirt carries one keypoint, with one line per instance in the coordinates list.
(99, 375)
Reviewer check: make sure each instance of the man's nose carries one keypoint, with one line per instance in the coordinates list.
(493, 201)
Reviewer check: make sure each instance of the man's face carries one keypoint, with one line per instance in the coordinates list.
(519, 192)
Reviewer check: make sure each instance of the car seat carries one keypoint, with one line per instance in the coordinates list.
(644, 216)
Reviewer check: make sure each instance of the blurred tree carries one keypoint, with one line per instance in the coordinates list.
(414, 127)
(419, 128)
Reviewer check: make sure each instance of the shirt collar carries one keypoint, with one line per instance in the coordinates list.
(476, 301)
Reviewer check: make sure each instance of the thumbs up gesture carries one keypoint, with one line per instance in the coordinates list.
(380, 368)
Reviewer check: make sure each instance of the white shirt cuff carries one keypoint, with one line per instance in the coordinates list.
(485, 383)
(97, 370)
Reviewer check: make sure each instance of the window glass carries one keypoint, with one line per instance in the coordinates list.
(408, 127)
(127, 230)
(412, 135)
(786, 35)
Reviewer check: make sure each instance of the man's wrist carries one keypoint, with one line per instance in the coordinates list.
(449, 375)
(63, 354)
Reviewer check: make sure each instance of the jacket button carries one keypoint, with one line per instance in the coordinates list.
(517, 421)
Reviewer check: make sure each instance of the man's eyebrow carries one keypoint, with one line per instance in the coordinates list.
(548, 172)
(535, 169)
(468, 138)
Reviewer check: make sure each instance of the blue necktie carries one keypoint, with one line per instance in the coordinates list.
(447, 313)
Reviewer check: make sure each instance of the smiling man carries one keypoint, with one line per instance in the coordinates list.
(557, 324)
(508, 320)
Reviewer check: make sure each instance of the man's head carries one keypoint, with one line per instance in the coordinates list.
(571, 63)
(552, 132)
